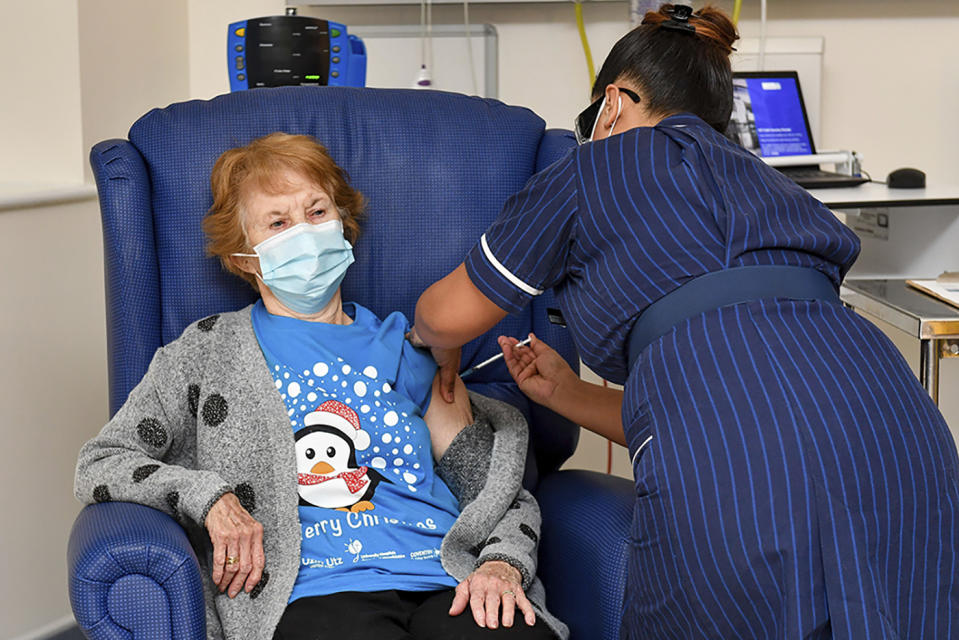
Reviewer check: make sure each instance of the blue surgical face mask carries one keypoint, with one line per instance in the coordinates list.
(304, 265)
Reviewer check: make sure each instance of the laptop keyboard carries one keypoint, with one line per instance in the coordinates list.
(809, 173)
(813, 178)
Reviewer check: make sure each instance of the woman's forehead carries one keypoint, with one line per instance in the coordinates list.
(282, 181)
(263, 195)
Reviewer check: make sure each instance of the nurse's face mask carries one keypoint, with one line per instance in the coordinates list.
(304, 265)
(585, 125)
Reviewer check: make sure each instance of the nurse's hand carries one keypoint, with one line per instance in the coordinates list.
(547, 379)
(448, 361)
(492, 585)
(541, 373)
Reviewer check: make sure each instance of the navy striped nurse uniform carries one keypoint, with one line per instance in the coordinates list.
(793, 479)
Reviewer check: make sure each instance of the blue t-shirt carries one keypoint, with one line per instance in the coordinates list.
(372, 511)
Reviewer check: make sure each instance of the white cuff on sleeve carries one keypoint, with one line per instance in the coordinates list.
(519, 284)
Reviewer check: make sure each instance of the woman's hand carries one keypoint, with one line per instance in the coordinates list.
(541, 373)
(493, 584)
(237, 546)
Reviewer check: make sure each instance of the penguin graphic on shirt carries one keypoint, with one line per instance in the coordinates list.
(327, 473)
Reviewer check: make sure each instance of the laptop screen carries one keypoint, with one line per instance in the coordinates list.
(769, 116)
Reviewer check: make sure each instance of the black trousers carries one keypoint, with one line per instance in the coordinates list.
(393, 615)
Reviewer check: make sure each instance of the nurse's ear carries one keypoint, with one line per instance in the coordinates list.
(608, 118)
(622, 112)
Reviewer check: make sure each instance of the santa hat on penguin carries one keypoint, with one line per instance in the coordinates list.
(339, 416)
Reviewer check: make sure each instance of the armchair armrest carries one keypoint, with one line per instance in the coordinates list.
(583, 552)
(132, 569)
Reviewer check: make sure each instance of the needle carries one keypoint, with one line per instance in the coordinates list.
(492, 359)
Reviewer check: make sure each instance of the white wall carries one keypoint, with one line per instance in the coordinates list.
(133, 56)
(44, 91)
(52, 397)
(52, 374)
(84, 71)
(208, 23)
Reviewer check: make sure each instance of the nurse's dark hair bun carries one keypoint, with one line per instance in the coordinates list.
(711, 25)
(678, 61)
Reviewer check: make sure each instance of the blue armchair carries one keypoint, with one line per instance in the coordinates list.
(435, 168)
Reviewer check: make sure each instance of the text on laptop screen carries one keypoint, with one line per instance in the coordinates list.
(768, 117)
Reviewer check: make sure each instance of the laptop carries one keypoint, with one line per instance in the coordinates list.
(769, 119)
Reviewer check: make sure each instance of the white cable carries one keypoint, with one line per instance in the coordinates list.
(469, 45)
(429, 34)
(762, 36)
(422, 33)
(423, 77)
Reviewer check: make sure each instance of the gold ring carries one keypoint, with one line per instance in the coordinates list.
(232, 559)
(508, 593)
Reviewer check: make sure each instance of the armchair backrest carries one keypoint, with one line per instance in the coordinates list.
(434, 167)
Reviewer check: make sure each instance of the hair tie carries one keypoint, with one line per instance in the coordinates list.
(679, 19)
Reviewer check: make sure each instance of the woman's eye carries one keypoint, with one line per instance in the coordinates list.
(318, 212)
(276, 224)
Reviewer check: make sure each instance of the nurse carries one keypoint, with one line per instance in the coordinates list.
(793, 479)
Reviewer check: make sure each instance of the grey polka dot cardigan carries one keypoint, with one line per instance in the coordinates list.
(206, 419)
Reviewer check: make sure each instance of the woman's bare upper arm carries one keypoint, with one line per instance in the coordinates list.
(445, 420)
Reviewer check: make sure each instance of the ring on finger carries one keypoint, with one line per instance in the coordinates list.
(508, 592)
(232, 559)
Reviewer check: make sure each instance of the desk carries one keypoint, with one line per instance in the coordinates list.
(873, 194)
(934, 323)
(922, 236)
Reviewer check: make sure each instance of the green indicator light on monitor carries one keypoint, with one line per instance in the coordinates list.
(312, 77)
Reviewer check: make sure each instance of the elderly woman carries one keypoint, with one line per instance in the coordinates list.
(327, 490)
